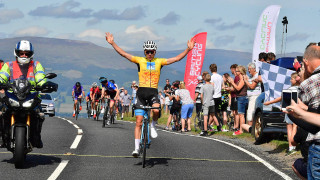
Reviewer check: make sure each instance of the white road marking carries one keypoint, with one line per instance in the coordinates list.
(76, 142)
(58, 170)
(78, 137)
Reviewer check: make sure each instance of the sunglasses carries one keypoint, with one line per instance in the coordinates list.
(28, 54)
(149, 52)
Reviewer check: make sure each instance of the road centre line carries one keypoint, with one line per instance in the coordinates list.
(171, 158)
(268, 165)
(58, 170)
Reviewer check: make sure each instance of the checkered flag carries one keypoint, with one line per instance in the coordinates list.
(274, 79)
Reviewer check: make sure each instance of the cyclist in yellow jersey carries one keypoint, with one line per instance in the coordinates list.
(149, 69)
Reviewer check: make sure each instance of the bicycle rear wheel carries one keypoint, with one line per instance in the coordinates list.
(77, 110)
(145, 140)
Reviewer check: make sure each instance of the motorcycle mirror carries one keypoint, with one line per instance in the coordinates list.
(51, 75)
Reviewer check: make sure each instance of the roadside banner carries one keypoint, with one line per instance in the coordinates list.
(194, 63)
(265, 32)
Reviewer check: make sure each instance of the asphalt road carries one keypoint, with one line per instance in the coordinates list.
(105, 153)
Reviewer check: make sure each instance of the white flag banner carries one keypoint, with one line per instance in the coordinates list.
(265, 32)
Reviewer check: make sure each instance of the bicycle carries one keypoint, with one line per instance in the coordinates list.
(230, 120)
(145, 129)
(176, 121)
(77, 111)
(98, 110)
(89, 109)
(106, 113)
(198, 121)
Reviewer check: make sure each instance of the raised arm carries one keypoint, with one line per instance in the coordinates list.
(110, 40)
(190, 44)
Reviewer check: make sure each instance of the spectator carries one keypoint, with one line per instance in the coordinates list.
(241, 92)
(125, 101)
(120, 100)
(253, 91)
(134, 91)
(166, 90)
(217, 82)
(263, 57)
(207, 91)
(291, 127)
(270, 57)
(175, 108)
(225, 101)
(187, 106)
(197, 97)
(162, 99)
(309, 93)
(233, 103)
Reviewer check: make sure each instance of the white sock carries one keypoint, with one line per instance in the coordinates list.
(74, 112)
(153, 124)
(136, 143)
(94, 112)
(292, 148)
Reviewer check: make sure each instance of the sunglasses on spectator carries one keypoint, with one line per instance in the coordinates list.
(149, 52)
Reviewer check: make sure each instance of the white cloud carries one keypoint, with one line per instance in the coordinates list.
(7, 15)
(32, 31)
(72, 74)
(92, 33)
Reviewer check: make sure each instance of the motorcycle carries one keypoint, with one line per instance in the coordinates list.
(22, 119)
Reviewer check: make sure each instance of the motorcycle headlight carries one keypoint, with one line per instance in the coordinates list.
(14, 103)
(28, 104)
(51, 105)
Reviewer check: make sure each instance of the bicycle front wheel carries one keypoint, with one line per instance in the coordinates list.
(77, 110)
(145, 141)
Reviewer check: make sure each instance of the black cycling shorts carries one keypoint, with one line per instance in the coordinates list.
(146, 96)
(112, 94)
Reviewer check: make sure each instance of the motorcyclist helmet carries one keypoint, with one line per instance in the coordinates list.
(25, 48)
(149, 45)
(78, 84)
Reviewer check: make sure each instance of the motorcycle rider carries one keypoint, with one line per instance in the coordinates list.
(24, 65)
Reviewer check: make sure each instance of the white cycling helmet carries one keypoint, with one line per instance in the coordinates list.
(94, 84)
(25, 46)
(149, 45)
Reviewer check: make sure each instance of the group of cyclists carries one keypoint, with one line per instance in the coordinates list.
(107, 89)
(149, 69)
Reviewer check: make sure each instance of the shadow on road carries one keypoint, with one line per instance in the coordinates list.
(155, 161)
(36, 160)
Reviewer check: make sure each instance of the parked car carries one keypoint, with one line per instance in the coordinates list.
(47, 104)
(269, 120)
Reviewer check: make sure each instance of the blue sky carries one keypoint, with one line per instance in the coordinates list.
(231, 24)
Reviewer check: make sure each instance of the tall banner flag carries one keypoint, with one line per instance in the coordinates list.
(194, 62)
(265, 32)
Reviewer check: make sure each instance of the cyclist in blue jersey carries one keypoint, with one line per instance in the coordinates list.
(108, 88)
(77, 94)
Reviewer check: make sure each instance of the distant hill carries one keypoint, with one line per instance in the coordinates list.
(85, 62)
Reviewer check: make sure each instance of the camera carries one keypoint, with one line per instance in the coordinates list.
(286, 96)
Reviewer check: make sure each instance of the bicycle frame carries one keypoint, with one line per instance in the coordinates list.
(145, 132)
